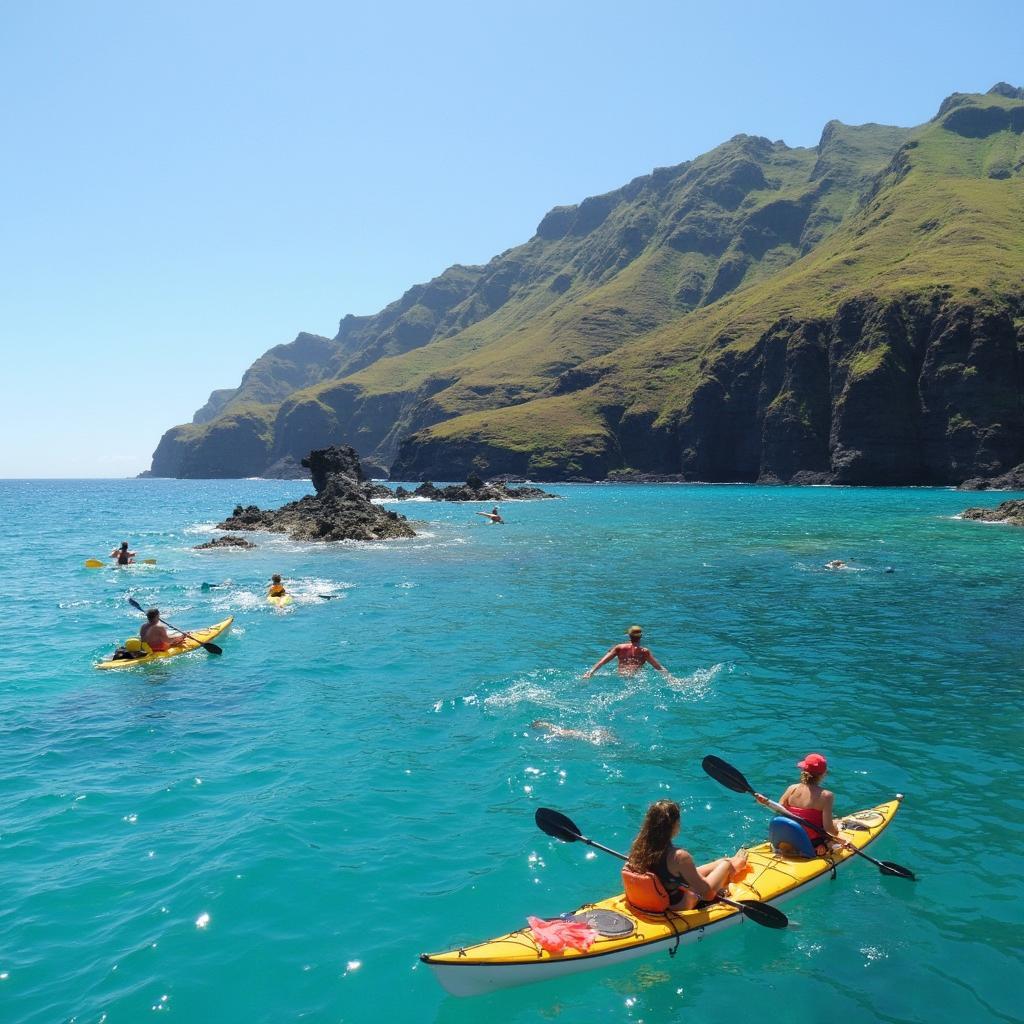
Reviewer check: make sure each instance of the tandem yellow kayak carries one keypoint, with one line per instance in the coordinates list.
(201, 635)
(625, 933)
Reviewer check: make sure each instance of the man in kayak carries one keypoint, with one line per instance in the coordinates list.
(632, 657)
(154, 633)
(122, 554)
(494, 515)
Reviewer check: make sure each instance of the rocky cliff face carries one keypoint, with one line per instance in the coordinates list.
(849, 313)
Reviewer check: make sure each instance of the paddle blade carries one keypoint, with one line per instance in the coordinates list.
(723, 772)
(764, 914)
(887, 867)
(556, 825)
(94, 563)
(135, 604)
(213, 648)
(149, 561)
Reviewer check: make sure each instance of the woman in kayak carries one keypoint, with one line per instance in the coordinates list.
(652, 851)
(276, 588)
(810, 803)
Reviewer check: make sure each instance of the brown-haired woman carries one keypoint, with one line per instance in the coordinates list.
(652, 851)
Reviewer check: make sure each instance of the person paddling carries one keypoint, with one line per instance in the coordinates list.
(653, 852)
(276, 588)
(809, 802)
(122, 554)
(154, 634)
(632, 657)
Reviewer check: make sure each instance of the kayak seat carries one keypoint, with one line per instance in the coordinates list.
(644, 891)
(789, 838)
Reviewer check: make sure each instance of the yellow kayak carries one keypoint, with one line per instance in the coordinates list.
(626, 933)
(203, 635)
(281, 601)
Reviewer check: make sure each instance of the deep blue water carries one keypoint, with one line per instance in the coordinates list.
(276, 834)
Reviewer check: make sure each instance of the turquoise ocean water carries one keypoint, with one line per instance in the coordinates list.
(276, 834)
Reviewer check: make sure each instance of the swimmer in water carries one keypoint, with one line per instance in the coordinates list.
(632, 657)
(557, 732)
(836, 564)
(493, 515)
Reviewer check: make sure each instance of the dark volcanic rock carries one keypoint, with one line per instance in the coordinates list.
(474, 489)
(286, 468)
(1011, 511)
(225, 542)
(341, 509)
(634, 476)
(1013, 480)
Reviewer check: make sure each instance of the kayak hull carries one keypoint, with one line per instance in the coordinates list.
(204, 635)
(516, 959)
(280, 602)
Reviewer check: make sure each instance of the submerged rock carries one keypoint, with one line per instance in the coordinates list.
(474, 489)
(341, 509)
(1011, 511)
(225, 542)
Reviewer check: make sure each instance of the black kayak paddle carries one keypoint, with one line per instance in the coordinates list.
(211, 648)
(560, 827)
(732, 778)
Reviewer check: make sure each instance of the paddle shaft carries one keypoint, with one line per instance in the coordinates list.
(212, 648)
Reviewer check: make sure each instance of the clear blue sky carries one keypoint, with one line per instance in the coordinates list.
(186, 184)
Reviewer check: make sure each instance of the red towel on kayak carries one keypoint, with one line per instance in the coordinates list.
(558, 935)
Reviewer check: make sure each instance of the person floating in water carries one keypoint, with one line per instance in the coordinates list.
(493, 515)
(558, 732)
(154, 633)
(836, 564)
(632, 657)
(122, 554)
(276, 588)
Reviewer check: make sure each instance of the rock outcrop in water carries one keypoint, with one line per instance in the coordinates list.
(341, 509)
(474, 489)
(225, 542)
(1011, 512)
(1013, 480)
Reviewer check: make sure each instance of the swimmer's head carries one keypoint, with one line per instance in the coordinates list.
(634, 632)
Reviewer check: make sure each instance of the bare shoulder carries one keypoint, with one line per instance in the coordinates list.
(682, 859)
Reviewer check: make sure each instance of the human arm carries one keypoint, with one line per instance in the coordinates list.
(656, 665)
(827, 822)
(684, 866)
(604, 661)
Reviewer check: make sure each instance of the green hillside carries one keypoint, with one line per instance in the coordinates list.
(750, 314)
